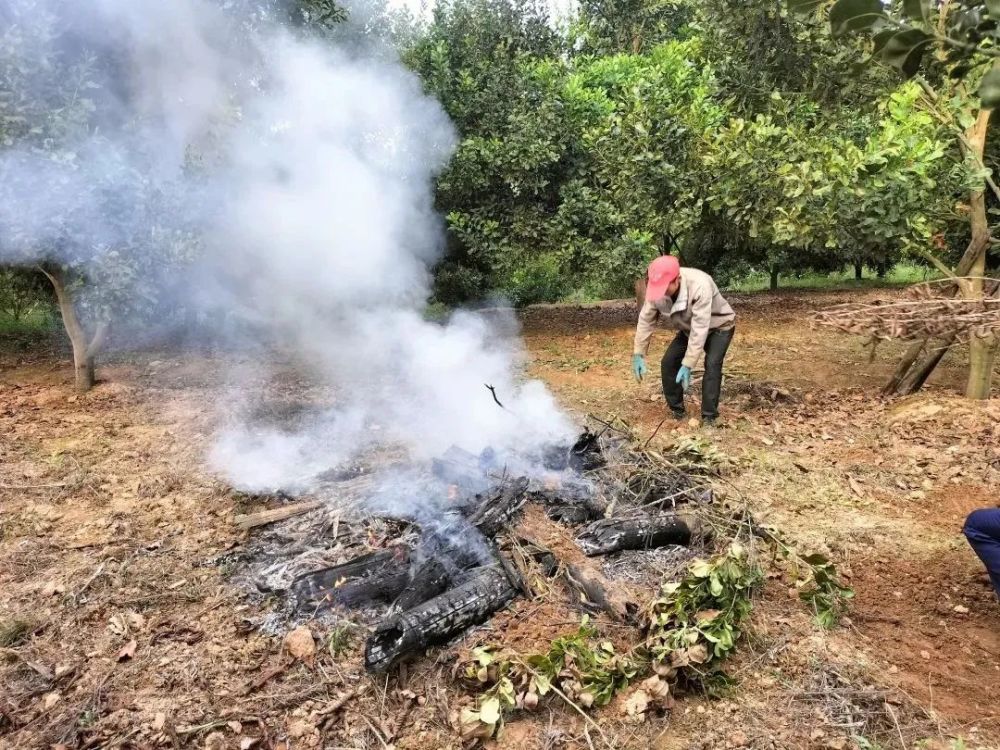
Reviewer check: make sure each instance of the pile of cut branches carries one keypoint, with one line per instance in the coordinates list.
(929, 311)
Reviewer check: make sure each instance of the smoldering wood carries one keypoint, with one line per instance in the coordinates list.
(570, 508)
(645, 531)
(376, 577)
(487, 590)
(498, 511)
(459, 467)
(445, 551)
(427, 580)
(583, 455)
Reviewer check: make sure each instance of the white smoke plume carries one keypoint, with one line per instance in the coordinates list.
(311, 195)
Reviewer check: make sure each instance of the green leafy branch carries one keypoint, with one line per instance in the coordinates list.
(824, 592)
(819, 583)
(692, 626)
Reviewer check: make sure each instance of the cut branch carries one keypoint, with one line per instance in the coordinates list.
(600, 592)
(264, 517)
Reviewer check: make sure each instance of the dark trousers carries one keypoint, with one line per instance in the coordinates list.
(716, 346)
(982, 529)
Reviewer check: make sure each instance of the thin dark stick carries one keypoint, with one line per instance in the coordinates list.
(650, 438)
(607, 425)
(493, 390)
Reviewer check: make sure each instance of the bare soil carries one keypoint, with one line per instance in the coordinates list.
(118, 627)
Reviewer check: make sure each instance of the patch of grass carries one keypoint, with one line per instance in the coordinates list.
(901, 275)
(341, 638)
(37, 323)
(15, 632)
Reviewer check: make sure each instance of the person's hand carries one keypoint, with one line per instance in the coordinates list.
(684, 377)
(638, 366)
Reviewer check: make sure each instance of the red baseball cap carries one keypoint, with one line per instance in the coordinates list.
(661, 273)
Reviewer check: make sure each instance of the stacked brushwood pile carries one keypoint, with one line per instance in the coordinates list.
(929, 311)
(453, 569)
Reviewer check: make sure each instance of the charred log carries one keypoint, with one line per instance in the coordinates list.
(634, 532)
(376, 577)
(428, 580)
(447, 551)
(499, 510)
(437, 620)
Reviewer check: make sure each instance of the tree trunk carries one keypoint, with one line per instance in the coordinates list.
(858, 268)
(916, 378)
(982, 355)
(640, 292)
(982, 350)
(906, 380)
(905, 364)
(83, 354)
(774, 278)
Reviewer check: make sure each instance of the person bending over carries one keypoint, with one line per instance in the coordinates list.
(688, 301)
(982, 529)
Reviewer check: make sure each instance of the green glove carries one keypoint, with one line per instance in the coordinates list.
(638, 366)
(684, 377)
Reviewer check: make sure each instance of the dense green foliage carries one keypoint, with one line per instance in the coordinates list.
(648, 127)
(738, 133)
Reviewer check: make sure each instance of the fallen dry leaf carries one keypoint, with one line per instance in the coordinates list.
(658, 691)
(636, 704)
(40, 668)
(300, 644)
(136, 620)
(707, 615)
(128, 650)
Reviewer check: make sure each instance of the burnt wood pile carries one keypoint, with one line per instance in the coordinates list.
(461, 569)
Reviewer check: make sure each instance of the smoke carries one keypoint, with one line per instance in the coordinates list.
(294, 181)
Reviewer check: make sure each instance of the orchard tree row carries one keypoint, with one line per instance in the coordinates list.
(740, 134)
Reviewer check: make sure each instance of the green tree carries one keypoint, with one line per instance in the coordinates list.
(95, 223)
(478, 58)
(954, 43)
(22, 291)
(608, 27)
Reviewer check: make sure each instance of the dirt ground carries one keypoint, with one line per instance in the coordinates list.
(118, 627)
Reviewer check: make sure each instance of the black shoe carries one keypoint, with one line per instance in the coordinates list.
(679, 415)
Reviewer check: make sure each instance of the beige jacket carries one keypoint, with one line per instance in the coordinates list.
(698, 309)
